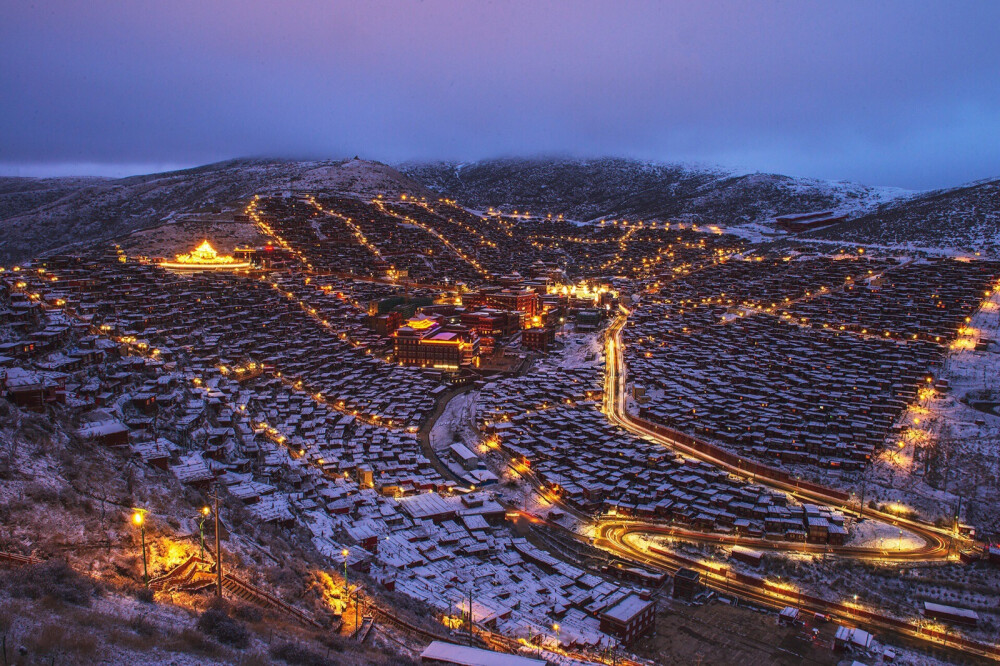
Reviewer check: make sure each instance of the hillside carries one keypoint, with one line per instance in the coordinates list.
(42, 215)
(620, 188)
(964, 218)
(39, 215)
(21, 195)
(69, 502)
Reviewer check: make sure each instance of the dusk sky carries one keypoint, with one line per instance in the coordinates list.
(888, 93)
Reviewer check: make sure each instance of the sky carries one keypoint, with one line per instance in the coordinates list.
(898, 93)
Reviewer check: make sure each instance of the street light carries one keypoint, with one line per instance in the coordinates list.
(201, 528)
(218, 547)
(347, 591)
(139, 520)
(555, 628)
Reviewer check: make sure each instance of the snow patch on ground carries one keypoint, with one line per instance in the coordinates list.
(970, 436)
(457, 423)
(870, 533)
(578, 348)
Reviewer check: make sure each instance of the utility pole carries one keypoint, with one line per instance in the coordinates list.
(347, 590)
(864, 487)
(958, 514)
(218, 550)
(470, 616)
(201, 529)
(139, 519)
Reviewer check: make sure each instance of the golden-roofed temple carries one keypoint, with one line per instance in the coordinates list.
(205, 258)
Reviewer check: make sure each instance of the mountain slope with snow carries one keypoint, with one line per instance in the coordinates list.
(620, 188)
(39, 215)
(43, 215)
(964, 218)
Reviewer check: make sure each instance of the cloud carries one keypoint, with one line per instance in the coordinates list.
(895, 93)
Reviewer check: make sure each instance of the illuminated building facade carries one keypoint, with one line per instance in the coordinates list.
(205, 258)
(493, 322)
(513, 300)
(539, 339)
(423, 341)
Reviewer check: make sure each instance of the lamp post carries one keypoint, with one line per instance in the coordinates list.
(347, 590)
(555, 628)
(139, 519)
(470, 615)
(201, 528)
(218, 549)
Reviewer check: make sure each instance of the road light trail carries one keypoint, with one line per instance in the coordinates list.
(936, 540)
(772, 595)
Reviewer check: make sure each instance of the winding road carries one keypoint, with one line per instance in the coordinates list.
(936, 541)
(630, 539)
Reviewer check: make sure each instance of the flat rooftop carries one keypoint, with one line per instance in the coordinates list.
(462, 655)
(627, 608)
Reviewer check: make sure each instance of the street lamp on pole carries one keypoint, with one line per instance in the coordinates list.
(218, 548)
(347, 590)
(139, 520)
(555, 628)
(201, 528)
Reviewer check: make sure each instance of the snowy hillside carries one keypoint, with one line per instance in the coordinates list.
(20, 195)
(38, 215)
(41, 215)
(619, 188)
(964, 218)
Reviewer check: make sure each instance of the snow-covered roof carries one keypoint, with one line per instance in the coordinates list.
(463, 655)
(628, 608)
(103, 429)
(951, 610)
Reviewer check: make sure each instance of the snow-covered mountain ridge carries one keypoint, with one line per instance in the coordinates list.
(42, 215)
(620, 188)
(39, 215)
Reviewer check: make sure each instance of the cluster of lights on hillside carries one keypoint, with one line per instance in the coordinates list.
(406, 219)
